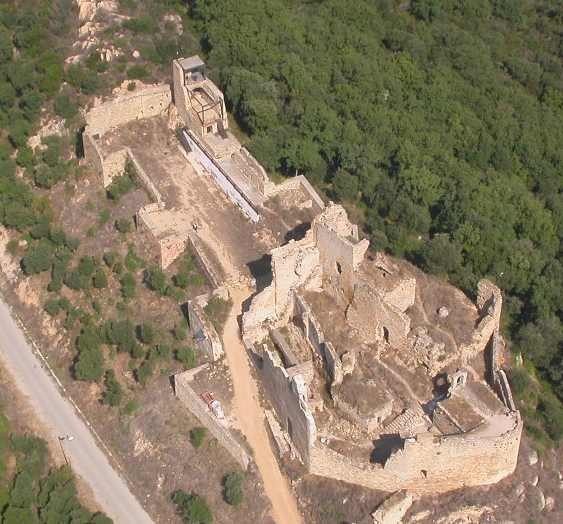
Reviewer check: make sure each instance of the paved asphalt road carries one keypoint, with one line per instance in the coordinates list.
(60, 418)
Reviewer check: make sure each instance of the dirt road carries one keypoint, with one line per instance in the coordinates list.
(250, 418)
(60, 418)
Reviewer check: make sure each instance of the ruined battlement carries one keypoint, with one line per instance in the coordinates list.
(383, 333)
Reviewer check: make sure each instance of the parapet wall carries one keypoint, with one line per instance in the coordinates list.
(288, 396)
(204, 332)
(429, 465)
(192, 401)
(144, 102)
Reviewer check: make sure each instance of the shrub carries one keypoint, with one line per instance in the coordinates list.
(128, 285)
(192, 508)
(155, 279)
(131, 407)
(132, 260)
(123, 225)
(103, 217)
(142, 25)
(38, 258)
(144, 372)
(217, 310)
(111, 258)
(180, 332)
(64, 107)
(162, 351)
(146, 333)
(197, 436)
(181, 280)
(186, 356)
(137, 72)
(52, 307)
(232, 488)
(114, 392)
(120, 185)
(12, 247)
(100, 279)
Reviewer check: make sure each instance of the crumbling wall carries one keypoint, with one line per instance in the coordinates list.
(294, 265)
(180, 93)
(171, 247)
(204, 332)
(489, 303)
(374, 319)
(113, 165)
(403, 295)
(195, 404)
(288, 395)
(92, 154)
(256, 174)
(145, 102)
(340, 251)
(296, 182)
(431, 465)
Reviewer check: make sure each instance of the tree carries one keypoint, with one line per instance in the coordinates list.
(155, 279)
(38, 258)
(100, 279)
(186, 356)
(128, 285)
(197, 436)
(345, 185)
(192, 508)
(113, 393)
(146, 333)
(123, 225)
(233, 488)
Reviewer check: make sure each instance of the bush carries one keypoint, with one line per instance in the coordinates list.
(197, 436)
(52, 307)
(137, 72)
(123, 225)
(192, 508)
(217, 310)
(120, 185)
(103, 217)
(144, 372)
(38, 258)
(128, 285)
(64, 107)
(162, 351)
(146, 333)
(100, 279)
(186, 356)
(155, 279)
(180, 332)
(114, 392)
(232, 488)
(131, 407)
(181, 280)
(111, 258)
(132, 260)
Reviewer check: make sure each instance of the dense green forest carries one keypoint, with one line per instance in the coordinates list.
(440, 122)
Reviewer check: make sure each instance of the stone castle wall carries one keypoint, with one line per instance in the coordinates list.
(199, 408)
(144, 102)
(205, 334)
(429, 466)
(287, 395)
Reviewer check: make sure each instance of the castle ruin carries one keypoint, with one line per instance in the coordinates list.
(379, 374)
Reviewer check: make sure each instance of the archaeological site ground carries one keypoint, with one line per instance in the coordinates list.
(238, 339)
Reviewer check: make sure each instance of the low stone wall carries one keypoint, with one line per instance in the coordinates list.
(211, 272)
(193, 402)
(205, 334)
